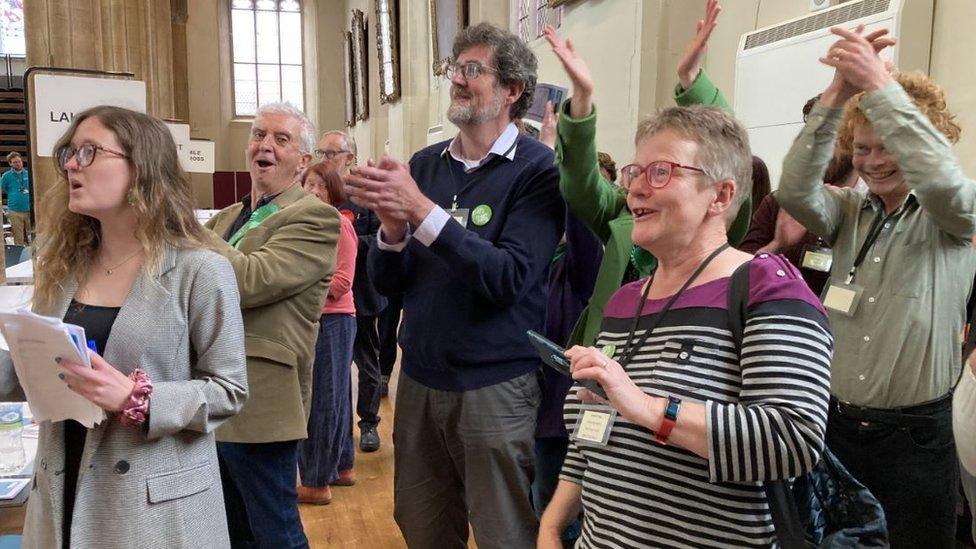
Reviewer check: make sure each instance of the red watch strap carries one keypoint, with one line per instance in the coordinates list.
(667, 423)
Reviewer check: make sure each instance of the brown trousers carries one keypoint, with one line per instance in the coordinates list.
(20, 226)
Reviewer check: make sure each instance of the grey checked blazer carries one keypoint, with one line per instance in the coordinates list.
(158, 486)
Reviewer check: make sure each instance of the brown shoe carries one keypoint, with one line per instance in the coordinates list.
(346, 478)
(315, 496)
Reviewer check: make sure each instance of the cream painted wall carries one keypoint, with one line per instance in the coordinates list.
(950, 66)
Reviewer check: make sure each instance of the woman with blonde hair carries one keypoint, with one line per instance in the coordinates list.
(123, 256)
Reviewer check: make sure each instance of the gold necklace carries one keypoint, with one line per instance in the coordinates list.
(110, 270)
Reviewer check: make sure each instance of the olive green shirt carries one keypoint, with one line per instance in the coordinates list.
(902, 345)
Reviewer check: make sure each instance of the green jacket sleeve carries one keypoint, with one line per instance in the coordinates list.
(591, 198)
(701, 92)
(704, 92)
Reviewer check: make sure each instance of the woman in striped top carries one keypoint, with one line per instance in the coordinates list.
(693, 425)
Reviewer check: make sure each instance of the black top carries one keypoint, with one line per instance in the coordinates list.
(97, 322)
(245, 214)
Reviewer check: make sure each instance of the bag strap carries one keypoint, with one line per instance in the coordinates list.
(779, 496)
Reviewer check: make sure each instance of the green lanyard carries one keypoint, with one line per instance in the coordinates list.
(257, 217)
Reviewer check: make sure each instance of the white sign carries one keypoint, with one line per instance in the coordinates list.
(58, 97)
(181, 135)
(201, 156)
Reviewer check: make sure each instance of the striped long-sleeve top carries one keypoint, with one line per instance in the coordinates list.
(766, 410)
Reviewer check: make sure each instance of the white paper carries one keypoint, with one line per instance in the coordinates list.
(35, 341)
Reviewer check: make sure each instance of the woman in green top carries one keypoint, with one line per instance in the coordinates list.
(600, 204)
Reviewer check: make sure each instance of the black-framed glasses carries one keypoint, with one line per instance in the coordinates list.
(330, 154)
(658, 173)
(85, 154)
(470, 70)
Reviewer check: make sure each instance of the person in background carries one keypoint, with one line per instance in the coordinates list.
(903, 266)
(125, 259)
(773, 230)
(760, 182)
(282, 245)
(467, 236)
(16, 185)
(677, 453)
(328, 452)
(337, 150)
(547, 132)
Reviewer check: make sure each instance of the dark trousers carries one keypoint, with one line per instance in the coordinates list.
(550, 452)
(463, 456)
(909, 464)
(366, 355)
(389, 326)
(329, 446)
(260, 496)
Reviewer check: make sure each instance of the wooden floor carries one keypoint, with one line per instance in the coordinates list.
(361, 515)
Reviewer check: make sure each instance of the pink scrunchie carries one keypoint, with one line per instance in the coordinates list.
(134, 412)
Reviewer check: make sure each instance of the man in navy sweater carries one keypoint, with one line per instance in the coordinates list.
(467, 234)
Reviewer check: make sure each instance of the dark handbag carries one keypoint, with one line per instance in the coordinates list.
(826, 507)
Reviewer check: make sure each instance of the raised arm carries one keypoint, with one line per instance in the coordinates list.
(591, 198)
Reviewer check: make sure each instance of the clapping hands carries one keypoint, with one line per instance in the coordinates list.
(857, 63)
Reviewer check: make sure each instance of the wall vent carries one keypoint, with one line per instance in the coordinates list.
(843, 13)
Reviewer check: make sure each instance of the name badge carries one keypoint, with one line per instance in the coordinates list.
(842, 298)
(461, 216)
(817, 259)
(594, 424)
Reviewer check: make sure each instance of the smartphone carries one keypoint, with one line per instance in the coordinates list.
(542, 94)
(554, 356)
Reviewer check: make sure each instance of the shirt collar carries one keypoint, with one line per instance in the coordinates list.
(246, 201)
(872, 200)
(504, 146)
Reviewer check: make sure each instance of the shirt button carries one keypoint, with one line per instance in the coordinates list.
(809, 146)
(866, 338)
(683, 355)
(877, 260)
(870, 300)
(887, 225)
(861, 377)
(780, 273)
(122, 467)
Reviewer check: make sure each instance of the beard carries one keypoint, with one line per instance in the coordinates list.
(473, 113)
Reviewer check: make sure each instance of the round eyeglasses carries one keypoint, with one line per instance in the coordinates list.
(84, 154)
(658, 173)
(329, 154)
(470, 70)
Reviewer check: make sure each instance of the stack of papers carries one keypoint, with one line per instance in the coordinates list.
(35, 341)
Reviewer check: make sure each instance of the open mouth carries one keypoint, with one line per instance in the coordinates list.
(880, 176)
(74, 185)
(641, 214)
(264, 163)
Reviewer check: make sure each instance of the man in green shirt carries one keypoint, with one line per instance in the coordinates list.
(902, 270)
(15, 185)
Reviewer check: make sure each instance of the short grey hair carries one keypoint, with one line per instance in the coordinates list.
(307, 141)
(349, 142)
(723, 144)
(514, 61)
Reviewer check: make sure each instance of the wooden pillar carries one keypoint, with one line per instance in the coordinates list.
(134, 36)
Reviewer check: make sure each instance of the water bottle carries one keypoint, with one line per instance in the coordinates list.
(12, 456)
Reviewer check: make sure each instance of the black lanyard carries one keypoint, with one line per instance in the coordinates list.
(873, 233)
(458, 189)
(629, 351)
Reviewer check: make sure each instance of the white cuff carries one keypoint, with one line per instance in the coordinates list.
(398, 247)
(433, 224)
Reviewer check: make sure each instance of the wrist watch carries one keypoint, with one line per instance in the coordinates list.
(667, 423)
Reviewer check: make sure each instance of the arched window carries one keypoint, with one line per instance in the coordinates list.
(266, 37)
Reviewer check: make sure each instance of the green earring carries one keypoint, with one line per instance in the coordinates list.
(131, 197)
